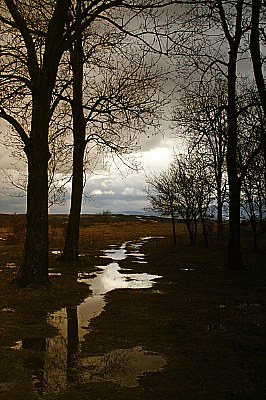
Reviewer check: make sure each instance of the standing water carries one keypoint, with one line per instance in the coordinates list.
(62, 361)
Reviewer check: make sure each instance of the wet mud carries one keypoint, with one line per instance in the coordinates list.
(143, 319)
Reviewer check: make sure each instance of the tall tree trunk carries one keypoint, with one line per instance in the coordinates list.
(70, 252)
(219, 207)
(257, 65)
(235, 261)
(190, 232)
(255, 52)
(34, 266)
(253, 222)
(204, 230)
(173, 225)
(42, 69)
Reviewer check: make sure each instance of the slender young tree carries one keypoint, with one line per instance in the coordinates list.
(161, 193)
(203, 118)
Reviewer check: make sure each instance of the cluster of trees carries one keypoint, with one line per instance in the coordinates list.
(222, 116)
(183, 191)
(78, 75)
(79, 68)
(195, 186)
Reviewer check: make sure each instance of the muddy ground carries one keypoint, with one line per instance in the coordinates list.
(208, 323)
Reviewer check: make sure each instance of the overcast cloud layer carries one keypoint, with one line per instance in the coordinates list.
(105, 190)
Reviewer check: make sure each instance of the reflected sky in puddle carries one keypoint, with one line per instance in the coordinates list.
(10, 265)
(58, 362)
(187, 269)
(122, 366)
(108, 278)
(55, 364)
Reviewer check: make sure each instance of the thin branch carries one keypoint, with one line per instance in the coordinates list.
(12, 121)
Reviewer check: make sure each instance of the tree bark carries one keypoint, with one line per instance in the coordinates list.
(257, 65)
(219, 204)
(255, 52)
(173, 225)
(34, 266)
(235, 261)
(204, 230)
(70, 252)
(190, 232)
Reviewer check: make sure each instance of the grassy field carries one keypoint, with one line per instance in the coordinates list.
(208, 323)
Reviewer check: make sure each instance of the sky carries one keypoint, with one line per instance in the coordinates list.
(115, 190)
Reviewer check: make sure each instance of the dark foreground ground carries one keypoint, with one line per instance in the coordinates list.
(208, 323)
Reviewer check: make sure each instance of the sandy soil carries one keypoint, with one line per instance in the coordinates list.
(207, 323)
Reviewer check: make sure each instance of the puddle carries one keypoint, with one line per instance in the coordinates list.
(187, 269)
(52, 272)
(106, 279)
(56, 252)
(8, 310)
(17, 345)
(151, 237)
(55, 365)
(11, 265)
(56, 362)
(116, 254)
(121, 366)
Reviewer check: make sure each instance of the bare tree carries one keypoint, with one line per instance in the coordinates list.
(194, 192)
(219, 46)
(114, 97)
(256, 37)
(161, 193)
(33, 45)
(201, 115)
(34, 78)
(251, 162)
(184, 190)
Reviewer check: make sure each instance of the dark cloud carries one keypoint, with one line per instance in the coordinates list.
(115, 191)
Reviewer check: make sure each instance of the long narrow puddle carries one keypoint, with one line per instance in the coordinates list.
(59, 360)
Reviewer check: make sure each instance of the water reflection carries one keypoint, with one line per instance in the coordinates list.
(108, 278)
(122, 366)
(57, 362)
(114, 277)
(56, 365)
(36, 362)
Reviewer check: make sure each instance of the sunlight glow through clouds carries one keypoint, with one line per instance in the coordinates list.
(157, 159)
(124, 191)
(117, 189)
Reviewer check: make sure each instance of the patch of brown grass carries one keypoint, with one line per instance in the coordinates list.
(208, 322)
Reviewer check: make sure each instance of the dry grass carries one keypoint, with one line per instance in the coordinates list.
(208, 322)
